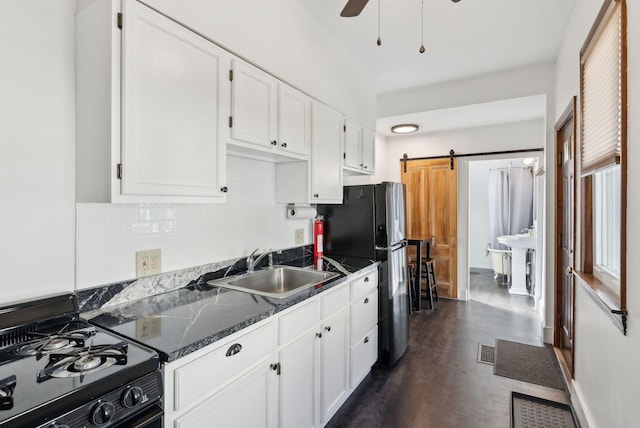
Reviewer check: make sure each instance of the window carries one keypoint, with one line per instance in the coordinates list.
(606, 242)
(603, 94)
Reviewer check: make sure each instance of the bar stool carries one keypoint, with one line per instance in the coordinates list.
(431, 289)
(412, 280)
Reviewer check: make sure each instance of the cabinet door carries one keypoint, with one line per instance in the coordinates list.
(293, 121)
(352, 140)
(253, 105)
(364, 355)
(368, 151)
(299, 382)
(326, 154)
(335, 363)
(172, 104)
(249, 402)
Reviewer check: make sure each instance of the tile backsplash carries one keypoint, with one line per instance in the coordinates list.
(108, 235)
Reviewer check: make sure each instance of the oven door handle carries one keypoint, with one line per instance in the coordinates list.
(151, 419)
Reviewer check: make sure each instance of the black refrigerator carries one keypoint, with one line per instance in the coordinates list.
(370, 224)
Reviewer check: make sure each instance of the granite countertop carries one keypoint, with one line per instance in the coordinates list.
(182, 321)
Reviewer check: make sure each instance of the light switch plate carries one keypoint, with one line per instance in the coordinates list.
(148, 263)
(299, 236)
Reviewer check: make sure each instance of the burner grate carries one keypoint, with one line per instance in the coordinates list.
(72, 364)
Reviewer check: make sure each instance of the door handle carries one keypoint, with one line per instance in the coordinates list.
(568, 270)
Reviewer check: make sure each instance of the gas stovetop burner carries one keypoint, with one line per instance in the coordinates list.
(83, 361)
(42, 343)
(7, 386)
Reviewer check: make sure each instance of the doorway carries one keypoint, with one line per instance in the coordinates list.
(504, 201)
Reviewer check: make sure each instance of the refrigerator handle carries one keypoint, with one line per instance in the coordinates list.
(397, 246)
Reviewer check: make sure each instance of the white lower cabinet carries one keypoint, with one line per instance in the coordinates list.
(231, 382)
(294, 369)
(247, 402)
(334, 363)
(299, 382)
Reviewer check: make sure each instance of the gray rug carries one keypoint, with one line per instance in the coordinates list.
(533, 364)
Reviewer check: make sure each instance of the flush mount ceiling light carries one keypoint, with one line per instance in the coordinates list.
(406, 128)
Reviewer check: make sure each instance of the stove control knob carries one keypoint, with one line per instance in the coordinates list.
(103, 413)
(132, 397)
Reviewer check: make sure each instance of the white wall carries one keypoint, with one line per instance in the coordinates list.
(509, 136)
(607, 381)
(188, 234)
(37, 148)
(533, 80)
(282, 37)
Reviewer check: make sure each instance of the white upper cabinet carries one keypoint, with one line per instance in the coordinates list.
(326, 154)
(368, 151)
(268, 118)
(318, 181)
(352, 144)
(253, 105)
(151, 101)
(293, 121)
(359, 149)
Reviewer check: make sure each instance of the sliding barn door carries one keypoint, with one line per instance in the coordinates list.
(432, 211)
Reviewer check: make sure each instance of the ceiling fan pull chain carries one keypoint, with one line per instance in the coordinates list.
(422, 27)
(379, 42)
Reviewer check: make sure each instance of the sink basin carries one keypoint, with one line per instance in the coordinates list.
(278, 282)
(522, 240)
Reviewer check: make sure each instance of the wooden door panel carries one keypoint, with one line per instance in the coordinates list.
(565, 233)
(431, 203)
(415, 201)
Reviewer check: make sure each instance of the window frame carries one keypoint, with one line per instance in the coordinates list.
(606, 290)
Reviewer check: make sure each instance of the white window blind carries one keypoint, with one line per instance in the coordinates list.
(602, 104)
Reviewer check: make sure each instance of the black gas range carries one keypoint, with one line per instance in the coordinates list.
(59, 371)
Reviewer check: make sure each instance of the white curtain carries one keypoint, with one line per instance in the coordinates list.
(510, 203)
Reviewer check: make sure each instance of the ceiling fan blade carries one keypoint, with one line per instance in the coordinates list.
(353, 8)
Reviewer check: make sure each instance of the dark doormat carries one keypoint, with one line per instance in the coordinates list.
(533, 364)
(534, 412)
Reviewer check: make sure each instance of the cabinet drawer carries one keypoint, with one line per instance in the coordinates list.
(299, 320)
(203, 376)
(363, 284)
(364, 315)
(335, 300)
(364, 354)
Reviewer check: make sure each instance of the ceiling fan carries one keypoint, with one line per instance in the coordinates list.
(354, 7)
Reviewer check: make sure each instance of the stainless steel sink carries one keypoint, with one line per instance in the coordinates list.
(278, 282)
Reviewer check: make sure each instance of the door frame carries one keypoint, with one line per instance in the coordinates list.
(568, 114)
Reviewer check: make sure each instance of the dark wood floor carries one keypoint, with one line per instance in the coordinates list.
(438, 382)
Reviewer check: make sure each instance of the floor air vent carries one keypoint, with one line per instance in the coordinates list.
(486, 354)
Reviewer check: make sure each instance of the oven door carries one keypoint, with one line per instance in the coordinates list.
(149, 418)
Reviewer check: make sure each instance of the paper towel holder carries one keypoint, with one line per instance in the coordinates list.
(300, 212)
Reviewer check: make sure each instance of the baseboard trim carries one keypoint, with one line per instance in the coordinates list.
(547, 335)
(577, 398)
(463, 295)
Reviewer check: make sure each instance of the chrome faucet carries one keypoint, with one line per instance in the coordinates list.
(251, 262)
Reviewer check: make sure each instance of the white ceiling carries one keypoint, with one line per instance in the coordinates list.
(491, 113)
(464, 39)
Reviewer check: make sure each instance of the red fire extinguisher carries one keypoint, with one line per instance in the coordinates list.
(318, 238)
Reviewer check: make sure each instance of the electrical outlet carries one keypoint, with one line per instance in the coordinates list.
(299, 236)
(147, 263)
